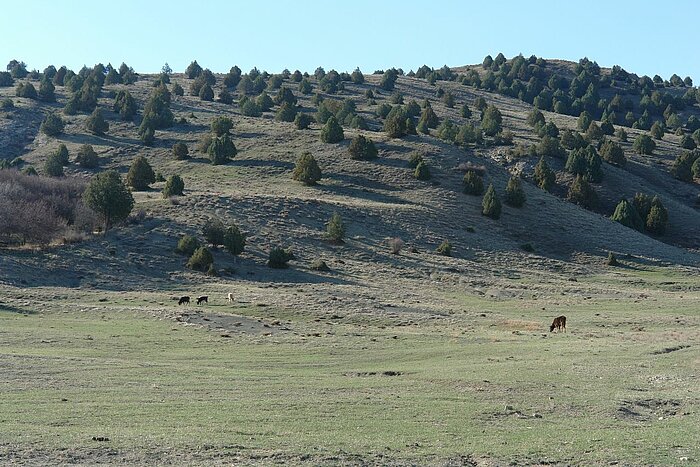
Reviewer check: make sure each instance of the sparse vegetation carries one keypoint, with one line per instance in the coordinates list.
(140, 174)
(335, 228)
(306, 170)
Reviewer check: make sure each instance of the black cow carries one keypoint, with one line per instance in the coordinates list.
(184, 300)
(202, 299)
(559, 323)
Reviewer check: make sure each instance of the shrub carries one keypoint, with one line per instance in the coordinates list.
(87, 157)
(180, 151)
(193, 70)
(584, 120)
(447, 131)
(96, 123)
(107, 195)
(26, 90)
(357, 76)
(491, 121)
(302, 121)
(140, 174)
(395, 123)
(687, 142)
(621, 134)
(29, 171)
(201, 260)
(214, 231)
(53, 166)
(444, 249)
(626, 214)
(594, 132)
(306, 170)
(234, 240)
(52, 125)
(613, 153)
(187, 245)
(7, 104)
(221, 150)
(286, 113)
(206, 93)
(473, 183)
(125, 105)
(383, 110)
(221, 126)
(174, 186)
(449, 100)
(582, 193)
(415, 159)
(535, 117)
(515, 195)
(642, 203)
(319, 265)
(265, 102)
(62, 154)
(682, 167)
(544, 177)
(658, 217)
(279, 258)
(332, 132)
(643, 144)
(178, 90)
(46, 91)
(422, 171)
(335, 228)
(585, 162)
(362, 149)
(6, 79)
(428, 118)
(157, 114)
(491, 205)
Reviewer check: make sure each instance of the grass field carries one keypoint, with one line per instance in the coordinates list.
(485, 385)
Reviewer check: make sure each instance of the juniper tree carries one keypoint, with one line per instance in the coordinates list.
(657, 219)
(515, 195)
(491, 121)
(221, 150)
(472, 183)
(107, 195)
(491, 204)
(362, 148)
(544, 177)
(140, 174)
(332, 132)
(613, 153)
(174, 186)
(306, 170)
(335, 228)
(234, 240)
(52, 125)
(626, 214)
(582, 193)
(422, 171)
(96, 123)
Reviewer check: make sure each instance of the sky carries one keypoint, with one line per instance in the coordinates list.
(643, 36)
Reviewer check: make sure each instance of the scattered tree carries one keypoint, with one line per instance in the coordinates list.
(332, 132)
(306, 170)
(491, 205)
(107, 195)
(362, 148)
(174, 186)
(52, 125)
(96, 123)
(335, 228)
(515, 195)
(140, 174)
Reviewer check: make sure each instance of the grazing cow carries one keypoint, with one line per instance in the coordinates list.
(184, 300)
(202, 299)
(230, 298)
(559, 323)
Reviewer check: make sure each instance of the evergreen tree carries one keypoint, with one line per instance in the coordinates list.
(286, 113)
(107, 195)
(306, 170)
(515, 195)
(613, 153)
(234, 240)
(658, 217)
(544, 177)
(96, 123)
(582, 193)
(642, 203)
(62, 154)
(53, 166)
(140, 174)
(180, 151)
(584, 120)
(422, 171)
(201, 260)
(125, 105)
(174, 186)
(302, 121)
(395, 123)
(491, 121)
(428, 118)
(87, 157)
(221, 126)
(46, 91)
(491, 205)
(335, 228)
(657, 130)
(332, 132)
(193, 70)
(643, 144)
(627, 215)
(362, 148)
(214, 231)
(473, 183)
(221, 150)
(52, 125)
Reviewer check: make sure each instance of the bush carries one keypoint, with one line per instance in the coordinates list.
(279, 258)
(46, 91)
(422, 171)
(6, 79)
(491, 205)
(193, 70)
(52, 125)
(221, 150)
(643, 144)
(221, 126)
(444, 249)
(319, 265)
(621, 134)
(473, 183)
(96, 123)
(250, 108)
(7, 104)
(657, 131)
(582, 193)
(584, 120)
(234, 240)
(302, 121)
(613, 153)
(140, 174)
(415, 159)
(174, 186)
(87, 157)
(178, 90)
(428, 118)
(335, 228)
(201, 260)
(107, 195)
(682, 167)
(214, 231)
(362, 149)
(626, 214)
(180, 151)
(585, 162)
(53, 166)
(187, 245)
(332, 132)
(306, 170)
(515, 195)
(357, 76)
(265, 102)
(687, 142)
(535, 117)
(206, 93)
(26, 90)
(594, 132)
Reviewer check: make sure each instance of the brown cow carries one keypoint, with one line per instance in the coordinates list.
(559, 323)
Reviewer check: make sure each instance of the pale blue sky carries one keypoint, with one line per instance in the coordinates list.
(644, 37)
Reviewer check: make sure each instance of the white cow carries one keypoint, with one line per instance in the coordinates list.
(230, 298)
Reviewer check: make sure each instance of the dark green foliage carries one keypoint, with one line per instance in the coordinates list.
(156, 113)
(362, 149)
(395, 123)
(582, 193)
(305, 87)
(233, 77)
(302, 121)
(626, 214)
(593, 133)
(544, 177)
(265, 102)
(107, 195)
(396, 98)
(584, 120)
(96, 123)
(621, 134)
(147, 135)
(572, 140)
(657, 130)
(422, 171)
(412, 109)
(206, 93)
(491, 121)
(7, 104)
(515, 195)
(46, 91)
(642, 203)
(357, 76)
(52, 125)
(415, 159)
(643, 144)
(180, 151)
(187, 245)
(472, 183)
(449, 99)
(335, 228)
(613, 153)
(535, 117)
(62, 154)
(607, 128)
(214, 231)
(285, 95)
(332, 132)
(221, 126)
(193, 70)
(250, 108)
(383, 110)
(687, 142)
(546, 129)
(53, 166)
(174, 186)
(444, 249)
(469, 134)
(87, 157)
(29, 170)
(274, 82)
(234, 240)
(306, 170)
(178, 90)
(585, 162)
(389, 79)
(201, 260)
(491, 205)
(657, 220)
(549, 147)
(286, 113)
(225, 97)
(26, 90)
(428, 117)
(221, 150)
(682, 167)
(125, 105)
(359, 123)
(279, 258)
(140, 174)
(6, 79)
